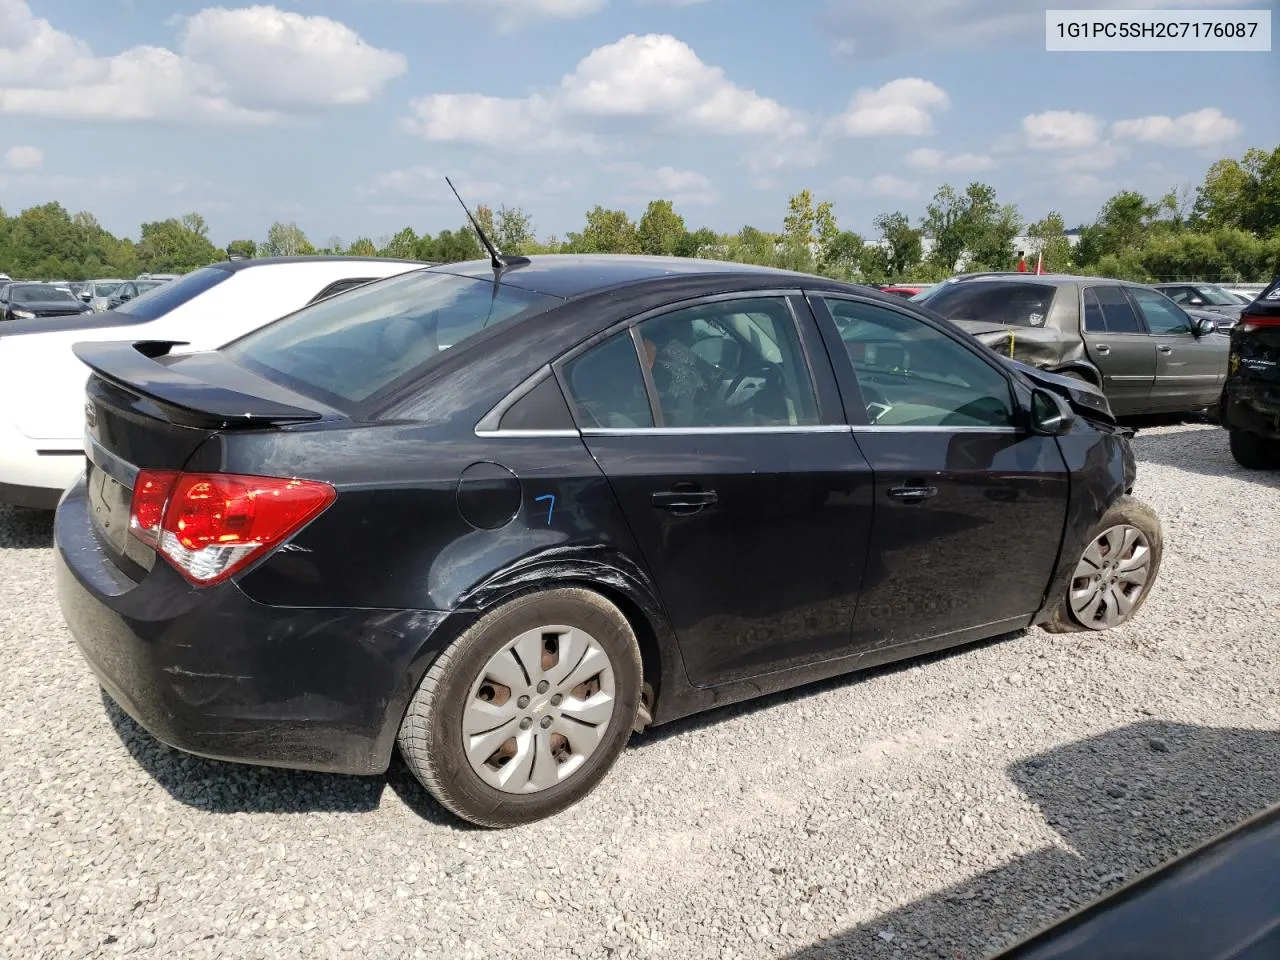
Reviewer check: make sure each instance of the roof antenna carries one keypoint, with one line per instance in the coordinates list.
(499, 260)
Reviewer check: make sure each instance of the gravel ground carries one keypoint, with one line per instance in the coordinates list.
(938, 809)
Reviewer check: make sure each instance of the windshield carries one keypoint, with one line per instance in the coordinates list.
(926, 293)
(1009, 303)
(106, 289)
(358, 343)
(1216, 296)
(40, 293)
(145, 285)
(161, 299)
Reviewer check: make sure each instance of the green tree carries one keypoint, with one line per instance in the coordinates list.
(513, 231)
(972, 224)
(242, 248)
(363, 247)
(403, 245)
(1244, 193)
(900, 248)
(1054, 246)
(176, 246)
(661, 229)
(842, 256)
(1118, 233)
(807, 231)
(607, 231)
(287, 240)
(694, 244)
(451, 246)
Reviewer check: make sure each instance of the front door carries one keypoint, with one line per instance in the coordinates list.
(1190, 370)
(1118, 345)
(969, 508)
(748, 500)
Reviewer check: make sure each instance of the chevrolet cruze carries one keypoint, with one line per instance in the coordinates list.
(502, 514)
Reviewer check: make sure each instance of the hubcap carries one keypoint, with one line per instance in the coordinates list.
(1110, 577)
(539, 709)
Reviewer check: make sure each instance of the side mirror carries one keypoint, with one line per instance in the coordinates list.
(1196, 302)
(1203, 326)
(1051, 415)
(86, 297)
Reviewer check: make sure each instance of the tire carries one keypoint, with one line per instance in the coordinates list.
(432, 738)
(1125, 512)
(1254, 452)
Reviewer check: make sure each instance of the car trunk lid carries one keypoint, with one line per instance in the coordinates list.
(147, 410)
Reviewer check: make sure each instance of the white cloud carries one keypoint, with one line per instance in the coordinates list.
(233, 66)
(425, 185)
(928, 158)
(903, 107)
(515, 11)
(667, 183)
(1084, 184)
(24, 158)
(1061, 130)
(788, 154)
(887, 185)
(1202, 128)
(262, 54)
(873, 28)
(655, 79)
(1102, 156)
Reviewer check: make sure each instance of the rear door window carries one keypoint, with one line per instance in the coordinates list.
(1118, 311)
(340, 286)
(352, 347)
(607, 386)
(1011, 304)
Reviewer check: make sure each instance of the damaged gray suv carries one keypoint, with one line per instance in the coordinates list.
(1145, 352)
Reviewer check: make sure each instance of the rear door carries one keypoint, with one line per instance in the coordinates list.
(719, 428)
(1190, 370)
(1119, 346)
(969, 507)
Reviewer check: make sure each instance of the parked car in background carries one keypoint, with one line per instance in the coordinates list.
(131, 289)
(97, 293)
(904, 289)
(1142, 349)
(1250, 407)
(36, 301)
(42, 382)
(1248, 291)
(1205, 297)
(1216, 901)
(158, 276)
(504, 517)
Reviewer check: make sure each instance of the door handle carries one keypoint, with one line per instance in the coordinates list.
(1164, 349)
(912, 493)
(690, 501)
(1103, 349)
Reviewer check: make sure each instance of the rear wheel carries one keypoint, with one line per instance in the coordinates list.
(525, 713)
(1254, 452)
(1115, 572)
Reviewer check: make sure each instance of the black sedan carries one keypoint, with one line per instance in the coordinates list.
(33, 301)
(504, 515)
(1250, 405)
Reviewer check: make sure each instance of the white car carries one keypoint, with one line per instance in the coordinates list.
(42, 383)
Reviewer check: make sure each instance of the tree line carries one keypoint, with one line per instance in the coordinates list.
(1227, 229)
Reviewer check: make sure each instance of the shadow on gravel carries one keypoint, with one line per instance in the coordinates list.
(718, 715)
(1202, 451)
(1123, 802)
(25, 529)
(221, 787)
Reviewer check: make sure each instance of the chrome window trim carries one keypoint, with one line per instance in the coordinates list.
(492, 434)
(711, 431)
(118, 469)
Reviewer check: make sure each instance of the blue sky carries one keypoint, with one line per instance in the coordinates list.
(343, 115)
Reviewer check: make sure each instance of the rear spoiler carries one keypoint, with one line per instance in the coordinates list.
(133, 366)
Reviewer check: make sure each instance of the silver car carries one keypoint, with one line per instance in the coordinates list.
(98, 293)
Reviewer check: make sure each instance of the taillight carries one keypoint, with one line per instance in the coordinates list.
(1254, 322)
(150, 492)
(209, 525)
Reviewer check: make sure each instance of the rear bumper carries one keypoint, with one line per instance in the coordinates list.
(211, 672)
(1251, 406)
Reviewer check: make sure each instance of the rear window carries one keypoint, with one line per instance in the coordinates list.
(155, 303)
(1012, 304)
(352, 346)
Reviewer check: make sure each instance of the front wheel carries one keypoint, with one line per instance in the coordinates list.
(1115, 572)
(1254, 452)
(524, 714)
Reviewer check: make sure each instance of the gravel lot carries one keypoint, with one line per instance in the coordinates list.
(937, 809)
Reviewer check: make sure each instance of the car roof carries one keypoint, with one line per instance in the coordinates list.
(235, 266)
(1051, 279)
(575, 275)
